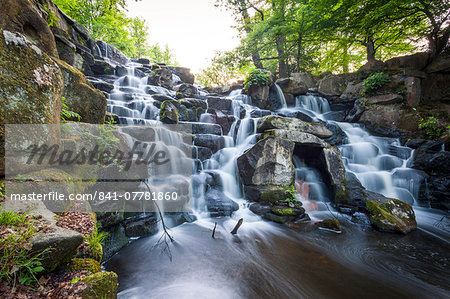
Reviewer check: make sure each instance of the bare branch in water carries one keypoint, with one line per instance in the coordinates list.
(238, 225)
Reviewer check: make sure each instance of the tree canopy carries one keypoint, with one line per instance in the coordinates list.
(286, 36)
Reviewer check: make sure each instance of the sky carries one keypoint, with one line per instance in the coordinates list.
(193, 29)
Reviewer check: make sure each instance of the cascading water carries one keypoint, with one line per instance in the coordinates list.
(267, 260)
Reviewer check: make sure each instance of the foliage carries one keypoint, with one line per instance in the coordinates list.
(256, 78)
(107, 21)
(16, 262)
(94, 242)
(67, 114)
(328, 35)
(51, 17)
(431, 127)
(225, 68)
(374, 82)
(2, 190)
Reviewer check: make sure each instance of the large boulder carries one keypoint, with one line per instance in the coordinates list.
(292, 124)
(384, 99)
(297, 137)
(24, 17)
(332, 86)
(169, 112)
(352, 91)
(31, 85)
(100, 285)
(81, 97)
(260, 96)
(306, 78)
(161, 76)
(391, 215)
(268, 162)
(292, 86)
(111, 53)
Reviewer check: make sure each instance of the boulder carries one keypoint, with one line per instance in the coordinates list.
(213, 142)
(31, 85)
(292, 86)
(169, 112)
(24, 17)
(115, 241)
(384, 99)
(292, 124)
(352, 91)
(217, 103)
(268, 194)
(329, 224)
(84, 264)
(332, 86)
(102, 67)
(110, 52)
(297, 137)
(417, 61)
(186, 89)
(184, 74)
(260, 96)
(141, 227)
(391, 215)
(439, 65)
(161, 76)
(219, 204)
(432, 162)
(306, 78)
(288, 211)
(268, 162)
(334, 166)
(100, 84)
(81, 97)
(296, 114)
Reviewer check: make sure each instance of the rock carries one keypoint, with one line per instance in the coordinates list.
(219, 204)
(161, 76)
(115, 241)
(278, 218)
(288, 211)
(168, 113)
(439, 65)
(352, 91)
(213, 142)
(332, 86)
(222, 104)
(100, 84)
(102, 67)
(334, 166)
(184, 74)
(111, 52)
(84, 264)
(391, 215)
(141, 227)
(81, 97)
(297, 114)
(204, 153)
(31, 85)
(259, 113)
(306, 78)
(384, 99)
(292, 86)
(23, 17)
(433, 163)
(413, 91)
(225, 121)
(436, 192)
(268, 162)
(111, 118)
(267, 193)
(292, 124)
(417, 61)
(204, 128)
(339, 137)
(186, 89)
(100, 285)
(260, 96)
(390, 120)
(330, 224)
(261, 208)
(297, 137)
(290, 99)
(352, 198)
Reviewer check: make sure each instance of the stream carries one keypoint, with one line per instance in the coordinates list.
(267, 260)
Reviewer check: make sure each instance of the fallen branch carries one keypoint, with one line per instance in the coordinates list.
(238, 225)
(214, 230)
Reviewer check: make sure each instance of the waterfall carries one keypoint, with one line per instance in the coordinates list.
(280, 96)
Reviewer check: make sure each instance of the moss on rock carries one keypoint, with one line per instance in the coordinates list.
(392, 215)
(100, 285)
(87, 264)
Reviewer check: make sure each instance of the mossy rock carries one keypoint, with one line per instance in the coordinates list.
(330, 224)
(276, 195)
(168, 113)
(393, 215)
(84, 264)
(287, 211)
(100, 285)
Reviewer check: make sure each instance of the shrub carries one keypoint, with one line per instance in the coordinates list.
(66, 114)
(431, 127)
(374, 82)
(94, 242)
(256, 78)
(16, 261)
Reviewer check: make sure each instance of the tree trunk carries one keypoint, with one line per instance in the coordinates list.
(256, 58)
(282, 68)
(370, 50)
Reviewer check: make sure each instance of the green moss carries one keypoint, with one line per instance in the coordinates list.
(283, 211)
(394, 215)
(87, 264)
(332, 224)
(100, 285)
